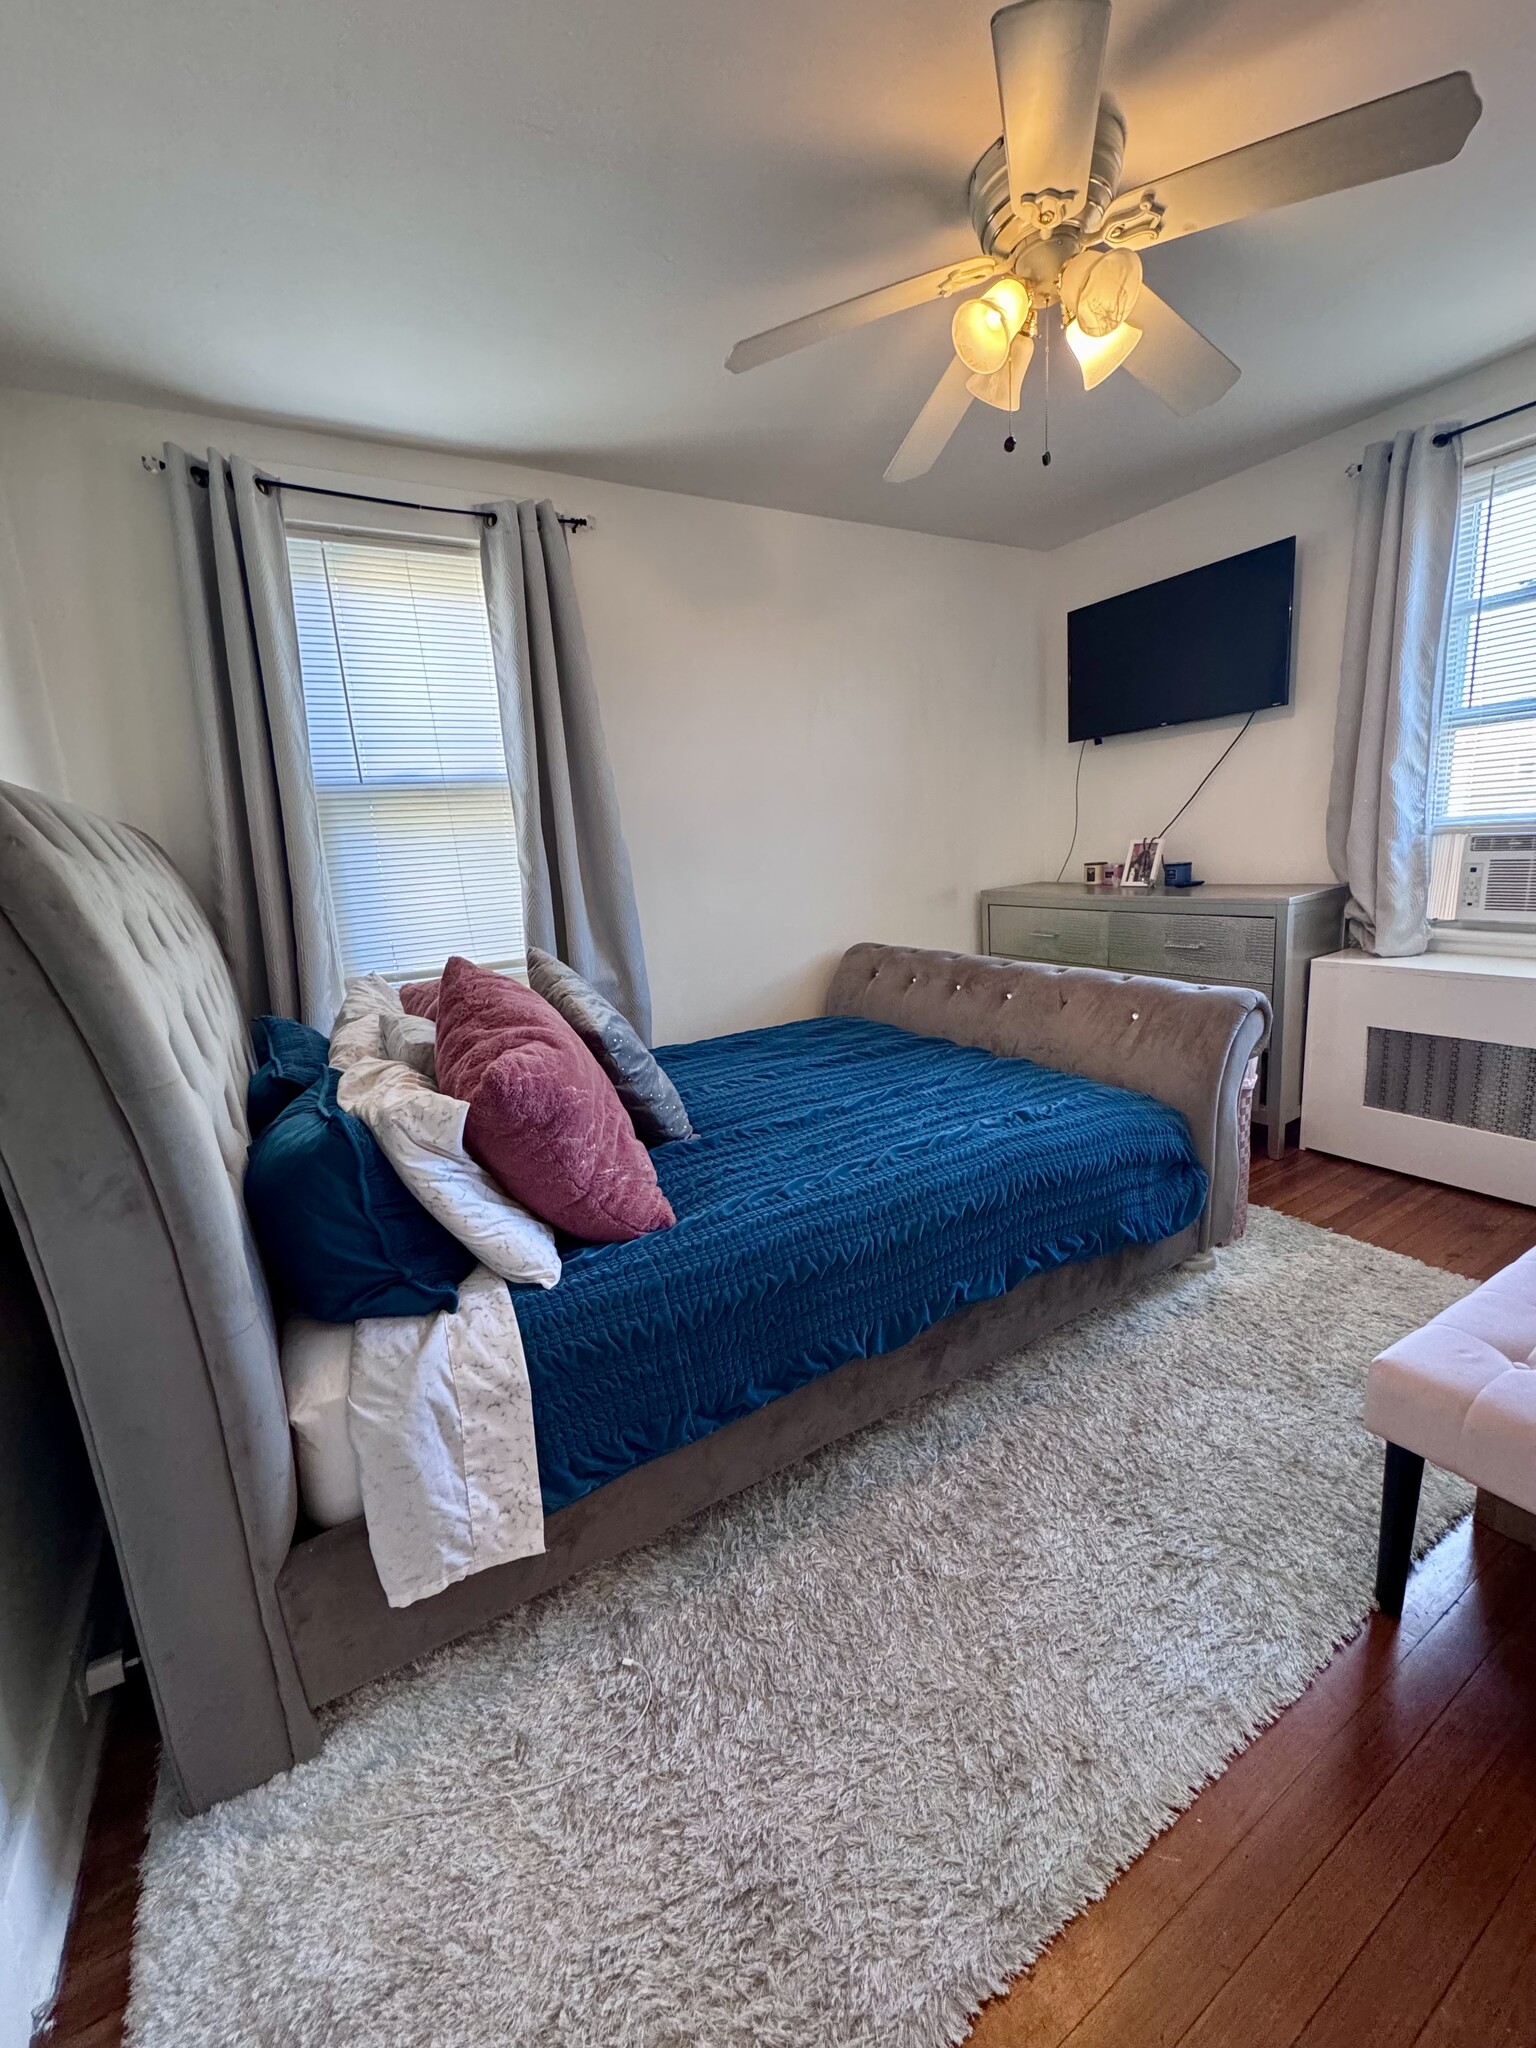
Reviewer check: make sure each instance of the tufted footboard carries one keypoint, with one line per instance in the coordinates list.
(1188, 1047)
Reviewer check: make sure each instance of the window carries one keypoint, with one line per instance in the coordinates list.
(1484, 770)
(405, 741)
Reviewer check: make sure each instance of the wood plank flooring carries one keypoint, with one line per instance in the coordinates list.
(93, 1989)
(1451, 1227)
(1363, 1874)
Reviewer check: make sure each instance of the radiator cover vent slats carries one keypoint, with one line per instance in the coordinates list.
(1463, 1081)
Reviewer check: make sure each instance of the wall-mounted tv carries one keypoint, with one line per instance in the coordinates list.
(1208, 644)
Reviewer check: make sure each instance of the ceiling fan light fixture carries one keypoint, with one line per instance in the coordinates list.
(1001, 387)
(984, 328)
(1100, 355)
(1056, 224)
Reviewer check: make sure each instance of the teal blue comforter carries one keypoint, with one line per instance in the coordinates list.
(850, 1184)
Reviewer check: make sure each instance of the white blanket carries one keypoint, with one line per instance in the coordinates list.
(441, 1420)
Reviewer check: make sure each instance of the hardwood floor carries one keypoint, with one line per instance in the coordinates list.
(93, 1990)
(1363, 1874)
(1450, 1227)
(1341, 1882)
(1366, 1871)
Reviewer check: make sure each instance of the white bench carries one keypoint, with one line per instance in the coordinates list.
(1461, 1392)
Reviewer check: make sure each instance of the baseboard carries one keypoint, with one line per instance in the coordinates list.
(42, 1856)
(1519, 1524)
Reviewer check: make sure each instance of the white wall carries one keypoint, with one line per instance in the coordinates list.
(817, 728)
(820, 731)
(1261, 817)
(29, 743)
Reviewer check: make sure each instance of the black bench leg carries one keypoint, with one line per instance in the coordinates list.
(1399, 1515)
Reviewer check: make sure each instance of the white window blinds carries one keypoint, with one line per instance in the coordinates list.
(1485, 748)
(405, 740)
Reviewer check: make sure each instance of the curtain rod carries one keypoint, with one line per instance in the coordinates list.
(1489, 420)
(1449, 434)
(573, 522)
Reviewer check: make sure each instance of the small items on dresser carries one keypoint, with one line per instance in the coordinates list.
(1143, 864)
(1111, 874)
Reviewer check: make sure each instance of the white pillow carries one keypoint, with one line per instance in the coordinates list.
(358, 1032)
(421, 1134)
(414, 1040)
(317, 1371)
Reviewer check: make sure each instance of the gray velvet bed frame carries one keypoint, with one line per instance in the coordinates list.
(122, 1145)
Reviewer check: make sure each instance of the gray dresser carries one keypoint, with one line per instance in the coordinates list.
(1256, 936)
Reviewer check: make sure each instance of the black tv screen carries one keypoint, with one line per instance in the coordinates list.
(1207, 644)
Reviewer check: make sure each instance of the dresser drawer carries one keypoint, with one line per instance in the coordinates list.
(1075, 938)
(1192, 947)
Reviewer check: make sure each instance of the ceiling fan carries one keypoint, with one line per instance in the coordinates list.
(1057, 228)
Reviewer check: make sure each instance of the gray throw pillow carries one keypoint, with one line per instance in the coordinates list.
(655, 1107)
(414, 1040)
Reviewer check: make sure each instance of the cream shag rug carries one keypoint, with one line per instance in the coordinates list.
(831, 1764)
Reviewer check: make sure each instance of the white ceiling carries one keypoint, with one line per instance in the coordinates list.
(536, 226)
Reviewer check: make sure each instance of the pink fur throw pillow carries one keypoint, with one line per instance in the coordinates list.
(544, 1119)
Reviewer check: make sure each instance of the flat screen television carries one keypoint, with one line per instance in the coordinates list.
(1207, 644)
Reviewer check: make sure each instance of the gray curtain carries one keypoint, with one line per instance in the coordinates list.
(1399, 594)
(272, 903)
(578, 894)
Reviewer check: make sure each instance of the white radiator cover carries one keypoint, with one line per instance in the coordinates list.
(1425, 1066)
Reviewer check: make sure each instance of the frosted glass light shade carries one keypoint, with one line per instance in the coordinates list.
(1012, 300)
(1001, 387)
(1101, 355)
(1099, 289)
(984, 328)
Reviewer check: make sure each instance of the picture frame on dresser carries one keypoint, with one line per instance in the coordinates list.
(1247, 935)
(1143, 864)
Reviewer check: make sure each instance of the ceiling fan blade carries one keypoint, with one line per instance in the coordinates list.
(1050, 65)
(1405, 131)
(929, 433)
(1174, 360)
(942, 283)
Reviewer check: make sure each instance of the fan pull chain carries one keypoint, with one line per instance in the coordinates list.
(1045, 336)
(1009, 443)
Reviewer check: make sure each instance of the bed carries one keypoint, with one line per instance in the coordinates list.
(961, 1154)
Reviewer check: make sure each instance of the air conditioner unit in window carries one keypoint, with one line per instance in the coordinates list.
(1484, 878)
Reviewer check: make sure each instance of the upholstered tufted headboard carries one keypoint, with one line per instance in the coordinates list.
(122, 1144)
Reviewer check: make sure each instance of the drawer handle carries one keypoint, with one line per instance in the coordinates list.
(1045, 935)
(1183, 945)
